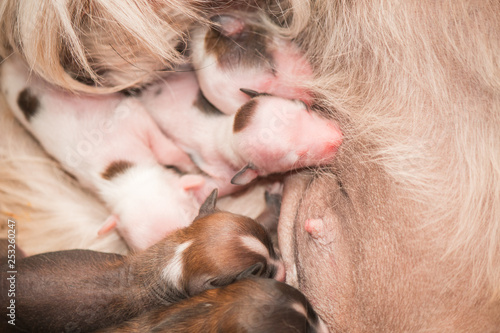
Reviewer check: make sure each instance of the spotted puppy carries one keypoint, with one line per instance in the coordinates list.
(85, 290)
(243, 103)
(249, 305)
(112, 146)
(240, 50)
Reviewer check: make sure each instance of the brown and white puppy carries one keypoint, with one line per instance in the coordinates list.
(85, 290)
(250, 305)
(242, 51)
(114, 148)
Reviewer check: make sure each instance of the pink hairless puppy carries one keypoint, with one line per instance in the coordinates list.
(240, 51)
(268, 134)
(111, 145)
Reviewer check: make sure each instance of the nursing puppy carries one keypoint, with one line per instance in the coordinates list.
(249, 305)
(84, 290)
(268, 134)
(112, 146)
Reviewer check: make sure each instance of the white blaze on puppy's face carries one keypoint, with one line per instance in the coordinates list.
(255, 245)
(174, 270)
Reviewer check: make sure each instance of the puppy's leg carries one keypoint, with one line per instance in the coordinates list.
(267, 135)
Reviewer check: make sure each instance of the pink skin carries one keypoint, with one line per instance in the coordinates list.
(87, 133)
(283, 135)
(276, 135)
(315, 228)
(280, 134)
(204, 137)
(278, 69)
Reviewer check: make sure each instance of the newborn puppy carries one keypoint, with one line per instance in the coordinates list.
(241, 51)
(250, 305)
(86, 290)
(113, 147)
(268, 134)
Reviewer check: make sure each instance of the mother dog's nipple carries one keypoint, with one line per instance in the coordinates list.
(315, 228)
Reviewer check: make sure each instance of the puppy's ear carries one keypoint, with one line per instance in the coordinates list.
(245, 175)
(208, 207)
(255, 270)
(202, 283)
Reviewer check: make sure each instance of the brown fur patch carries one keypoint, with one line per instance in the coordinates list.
(230, 51)
(244, 115)
(116, 168)
(28, 103)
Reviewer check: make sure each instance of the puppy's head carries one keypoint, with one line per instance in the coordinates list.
(261, 305)
(219, 248)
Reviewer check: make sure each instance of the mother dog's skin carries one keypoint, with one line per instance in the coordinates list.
(402, 232)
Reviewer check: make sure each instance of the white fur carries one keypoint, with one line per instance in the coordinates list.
(51, 210)
(172, 273)
(88, 133)
(255, 245)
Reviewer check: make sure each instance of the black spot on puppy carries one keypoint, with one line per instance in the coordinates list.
(28, 103)
(246, 47)
(116, 168)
